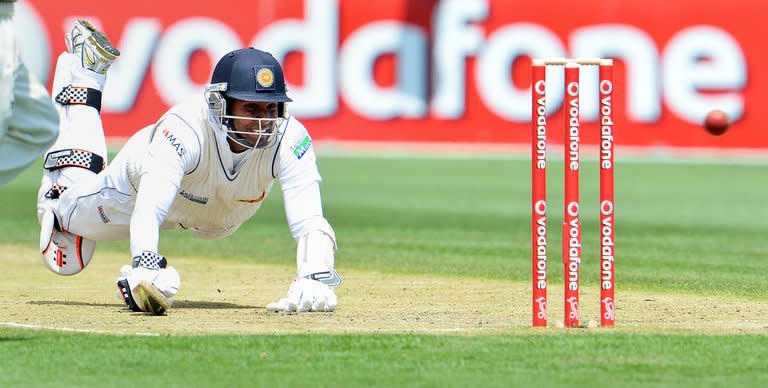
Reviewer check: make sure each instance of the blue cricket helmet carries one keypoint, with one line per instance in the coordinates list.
(251, 75)
(248, 75)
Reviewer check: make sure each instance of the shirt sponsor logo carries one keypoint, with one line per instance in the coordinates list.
(301, 146)
(173, 141)
(194, 198)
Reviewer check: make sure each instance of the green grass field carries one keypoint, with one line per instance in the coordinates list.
(682, 228)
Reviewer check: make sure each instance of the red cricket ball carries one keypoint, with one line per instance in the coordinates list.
(717, 122)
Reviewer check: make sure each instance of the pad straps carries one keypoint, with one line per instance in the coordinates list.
(73, 157)
(78, 95)
(330, 278)
(149, 259)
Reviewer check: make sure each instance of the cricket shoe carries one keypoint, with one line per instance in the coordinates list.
(95, 51)
(62, 252)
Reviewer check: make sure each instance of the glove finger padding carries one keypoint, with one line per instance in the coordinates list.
(305, 305)
(280, 305)
(331, 301)
(168, 281)
(306, 295)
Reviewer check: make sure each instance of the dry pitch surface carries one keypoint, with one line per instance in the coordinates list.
(227, 297)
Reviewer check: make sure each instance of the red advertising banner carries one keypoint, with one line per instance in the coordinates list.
(427, 70)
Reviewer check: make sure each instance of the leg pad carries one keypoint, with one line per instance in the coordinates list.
(73, 157)
(76, 95)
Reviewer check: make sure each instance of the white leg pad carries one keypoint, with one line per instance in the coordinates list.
(62, 252)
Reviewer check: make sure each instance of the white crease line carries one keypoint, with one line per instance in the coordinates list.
(67, 329)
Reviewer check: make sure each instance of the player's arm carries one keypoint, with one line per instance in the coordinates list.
(173, 152)
(297, 172)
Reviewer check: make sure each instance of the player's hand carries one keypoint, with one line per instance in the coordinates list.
(148, 290)
(167, 280)
(306, 295)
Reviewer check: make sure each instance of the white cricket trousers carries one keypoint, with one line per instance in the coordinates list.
(83, 207)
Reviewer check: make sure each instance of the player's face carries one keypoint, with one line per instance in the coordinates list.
(251, 112)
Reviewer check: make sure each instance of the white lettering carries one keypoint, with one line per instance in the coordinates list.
(541, 127)
(606, 125)
(606, 208)
(407, 98)
(316, 38)
(700, 67)
(573, 209)
(638, 51)
(687, 79)
(493, 68)
(573, 127)
(455, 39)
(540, 208)
(170, 69)
(125, 76)
(606, 245)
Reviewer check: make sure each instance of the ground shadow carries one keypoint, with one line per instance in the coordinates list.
(74, 303)
(199, 304)
(177, 304)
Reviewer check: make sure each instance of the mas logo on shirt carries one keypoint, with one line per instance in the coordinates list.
(173, 141)
(301, 146)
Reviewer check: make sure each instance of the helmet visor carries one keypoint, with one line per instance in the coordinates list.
(256, 133)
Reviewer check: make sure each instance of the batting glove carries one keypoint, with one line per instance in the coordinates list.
(148, 289)
(306, 295)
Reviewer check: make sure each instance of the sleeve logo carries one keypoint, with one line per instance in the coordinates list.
(174, 142)
(301, 146)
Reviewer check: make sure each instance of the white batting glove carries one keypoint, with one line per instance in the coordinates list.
(306, 295)
(167, 280)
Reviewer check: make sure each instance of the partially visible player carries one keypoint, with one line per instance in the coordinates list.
(205, 167)
(28, 122)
